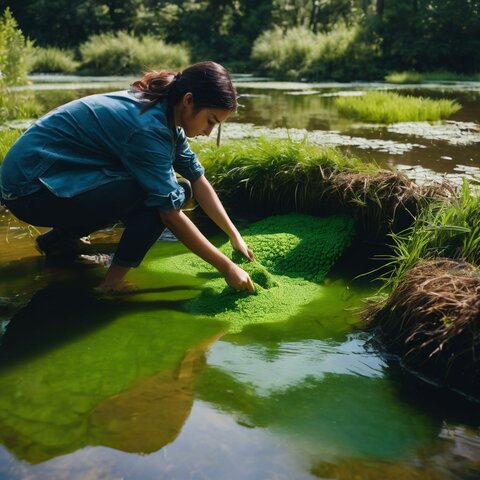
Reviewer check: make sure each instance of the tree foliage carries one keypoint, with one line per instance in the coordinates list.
(405, 34)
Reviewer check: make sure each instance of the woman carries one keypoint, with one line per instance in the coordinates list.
(112, 156)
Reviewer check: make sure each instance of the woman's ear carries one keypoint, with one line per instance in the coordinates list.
(188, 99)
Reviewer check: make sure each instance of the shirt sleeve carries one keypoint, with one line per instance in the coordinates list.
(147, 154)
(186, 162)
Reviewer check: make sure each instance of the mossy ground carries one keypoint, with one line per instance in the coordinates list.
(293, 254)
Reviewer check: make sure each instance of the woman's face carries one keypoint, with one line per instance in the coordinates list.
(200, 122)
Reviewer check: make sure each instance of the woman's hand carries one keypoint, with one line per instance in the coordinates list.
(238, 279)
(239, 244)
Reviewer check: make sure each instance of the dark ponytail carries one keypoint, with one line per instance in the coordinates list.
(209, 83)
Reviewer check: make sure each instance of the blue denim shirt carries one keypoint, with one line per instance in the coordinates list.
(99, 139)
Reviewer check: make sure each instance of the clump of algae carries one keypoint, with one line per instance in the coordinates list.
(293, 254)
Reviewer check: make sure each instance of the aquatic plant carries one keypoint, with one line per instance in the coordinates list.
(53, 60)
(293, 254)
(271, 176)
(390, 107)
(122, 53)
(432, 320)
(7, 139)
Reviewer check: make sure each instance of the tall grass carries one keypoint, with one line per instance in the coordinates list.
(53, 60)
(7, 139)
(443, 229)
(271, 176)
(121, 53)
(18, 106)
(390, 107)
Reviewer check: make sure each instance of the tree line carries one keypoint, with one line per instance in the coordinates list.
(419, 35)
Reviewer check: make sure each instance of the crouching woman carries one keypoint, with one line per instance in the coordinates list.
(113, 156)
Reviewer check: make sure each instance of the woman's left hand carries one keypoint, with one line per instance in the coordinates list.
(240, 245)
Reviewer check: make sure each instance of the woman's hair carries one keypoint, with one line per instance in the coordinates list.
(209, 83)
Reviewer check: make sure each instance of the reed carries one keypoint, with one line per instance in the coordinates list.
(390, 107)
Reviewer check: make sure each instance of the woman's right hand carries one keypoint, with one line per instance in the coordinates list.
(238, 279)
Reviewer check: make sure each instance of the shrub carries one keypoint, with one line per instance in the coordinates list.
(341, 54)
(122, 53)
(14, 51)
(404, 77)
(389, 107)
(285, 55)
(53, 60)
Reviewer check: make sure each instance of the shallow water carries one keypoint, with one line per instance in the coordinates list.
(427, 152)
(134, 387)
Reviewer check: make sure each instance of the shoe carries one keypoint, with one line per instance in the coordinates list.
(58, 244)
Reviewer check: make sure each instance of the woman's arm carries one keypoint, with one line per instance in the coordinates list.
(208, 199)
(186, 231)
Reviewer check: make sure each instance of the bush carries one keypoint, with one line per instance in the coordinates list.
(389, 107)
(121, 53)
(53, 60)
(284, 55)
(341, 54)
(14, 51)
(404, 77)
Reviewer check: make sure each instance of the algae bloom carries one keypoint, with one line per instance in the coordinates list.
(293, 254)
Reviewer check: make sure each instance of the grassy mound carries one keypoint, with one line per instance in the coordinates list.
(293, 254)
(273, 176)
(389, 107)
(432, 320)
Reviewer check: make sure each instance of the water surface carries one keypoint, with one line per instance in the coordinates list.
(134, 387)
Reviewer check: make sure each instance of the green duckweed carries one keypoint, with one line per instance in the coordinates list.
(293, 254)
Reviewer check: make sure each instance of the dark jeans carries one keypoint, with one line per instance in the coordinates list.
(85, 213)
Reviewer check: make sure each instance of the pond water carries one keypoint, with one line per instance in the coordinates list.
(135, 387)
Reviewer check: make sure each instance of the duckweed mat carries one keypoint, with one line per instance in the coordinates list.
(293, 254)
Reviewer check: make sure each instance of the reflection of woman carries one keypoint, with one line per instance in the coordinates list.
(111, 156)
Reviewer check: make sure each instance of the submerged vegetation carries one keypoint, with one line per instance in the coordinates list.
(391, 107)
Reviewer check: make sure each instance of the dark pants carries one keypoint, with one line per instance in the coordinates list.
(85, 213)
